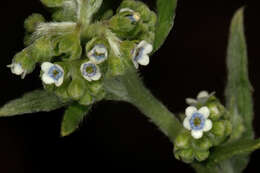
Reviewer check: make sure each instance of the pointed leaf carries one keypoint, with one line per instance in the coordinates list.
(72, 118)
(166, 13)
(35, 101)
(239, 90)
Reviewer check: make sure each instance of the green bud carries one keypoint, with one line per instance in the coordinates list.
(139, 7)
(70, 45)
(32, 21)
(185, 155)
(203, 144)
(182, 141)
(62, 90)
(228, 127)
(218, 128)
(216, 110)
(76, 88)
(42, 49)
(25, 60)
(201, 155)
(52, 3)
(124, 27)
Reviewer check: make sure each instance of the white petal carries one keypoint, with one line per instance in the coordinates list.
(186, 123)
(16, 69)
(144, 60)
(46, 66)
(190, 110)
(208, 125)
(204, 111)
(136, 64)
(191, 101)
(196, 134)
(148, 48)
(59, 82)
(126, 9)
(97, 76)
(203, 94)
(47, 79)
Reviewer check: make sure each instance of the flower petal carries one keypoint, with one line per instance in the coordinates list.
(204, 111)
(59, 82)
(208, 125)
(46, 66)
(144, 60)
(196, 134)
(126, 9)
(47, 79)
(97, 76)
(16, 69)
(191, 101)
(148, 48)
(190, 110)
(186, 123)
(203, 94)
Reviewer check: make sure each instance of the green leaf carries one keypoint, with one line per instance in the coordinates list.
(239, 90)
(35, 101)
(72, 118)
(166, 13)
(241, 147)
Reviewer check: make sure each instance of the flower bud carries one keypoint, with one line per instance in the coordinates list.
(42, 49)
(32, 21)
(216, 110)
(219, 128)
(203, 143)
(201, 155)
(76, 88)
(182, 141)
(185, 155)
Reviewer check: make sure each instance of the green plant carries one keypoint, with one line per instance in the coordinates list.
(88, 53)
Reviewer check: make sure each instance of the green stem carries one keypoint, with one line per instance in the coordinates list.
(129, 88)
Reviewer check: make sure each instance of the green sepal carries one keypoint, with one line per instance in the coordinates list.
(76, 88)
(32, 102)
(72, 118)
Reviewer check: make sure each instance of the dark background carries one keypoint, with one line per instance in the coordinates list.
(116, 136)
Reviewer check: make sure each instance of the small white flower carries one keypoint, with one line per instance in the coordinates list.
(52, 74)
(197, 121)
(202, 97)
(17, 69)
(140, 53)
(133, 16)
(90, 71)
(98, 54)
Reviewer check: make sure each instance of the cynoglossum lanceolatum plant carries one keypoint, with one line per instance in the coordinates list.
(87, 53)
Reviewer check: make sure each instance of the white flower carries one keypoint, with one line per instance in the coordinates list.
(197, 121)
(202, 98)
(98, 54)
(17, 69)
(90, 71)
(52, 74)
(140, 53)
(133, 16)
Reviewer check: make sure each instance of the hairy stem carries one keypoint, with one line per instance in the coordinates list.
(129, 88)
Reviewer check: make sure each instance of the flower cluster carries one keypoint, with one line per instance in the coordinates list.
(206, 124)
(80, 49)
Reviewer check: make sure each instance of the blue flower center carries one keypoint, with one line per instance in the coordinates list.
(197, 121)
(89, 70)
(55, 73)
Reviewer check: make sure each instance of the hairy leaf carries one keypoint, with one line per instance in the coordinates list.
(239, 90)
(166, 13)
(35, 101)
(72, 118)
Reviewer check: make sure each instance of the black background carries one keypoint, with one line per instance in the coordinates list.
(116, 136)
